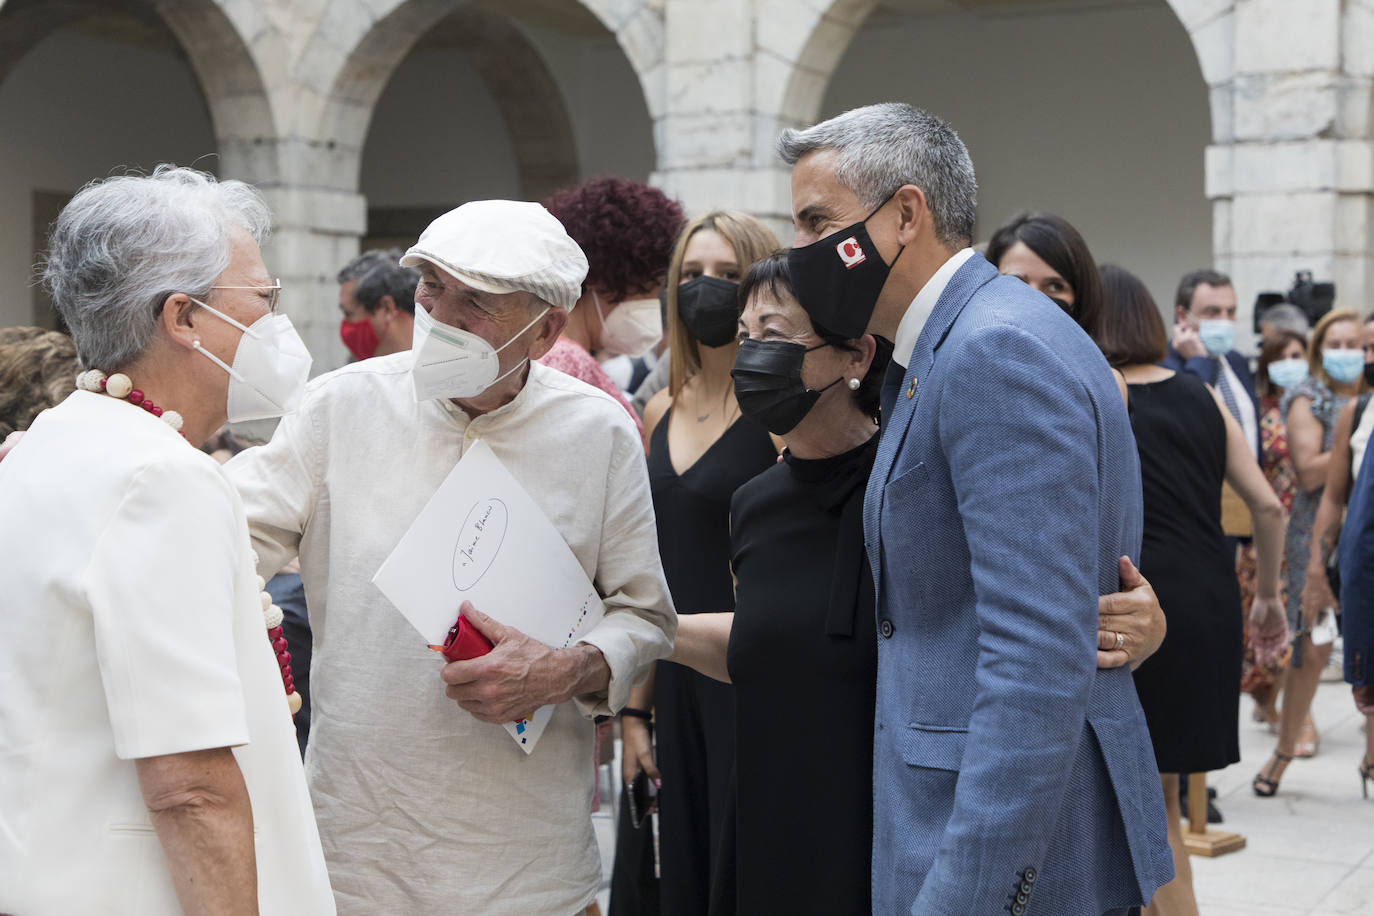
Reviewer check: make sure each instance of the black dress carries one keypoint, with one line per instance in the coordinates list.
(1190, 688)
(804, 661)
(694, 715)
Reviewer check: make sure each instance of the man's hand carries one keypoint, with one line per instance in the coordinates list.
(10, 442)
(1316, 596)
(1133, 612)
(1268, 629)
(1187, 342)
(520, 674)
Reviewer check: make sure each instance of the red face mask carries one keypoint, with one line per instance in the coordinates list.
(359, 337)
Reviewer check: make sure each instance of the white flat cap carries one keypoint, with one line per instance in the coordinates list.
(504, 246)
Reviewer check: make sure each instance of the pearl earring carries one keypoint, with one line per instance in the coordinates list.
(854, 384)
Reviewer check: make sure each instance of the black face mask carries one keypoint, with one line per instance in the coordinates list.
(838, 279)
(1369, 373)
(709, 307)
(768, 383)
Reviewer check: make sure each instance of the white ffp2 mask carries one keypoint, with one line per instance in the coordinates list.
(271, 367)
(453, 363)
(632, 328)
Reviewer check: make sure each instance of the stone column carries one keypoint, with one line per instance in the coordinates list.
(729, 70)
(737, 73)
(1290, 171)
(317, 232)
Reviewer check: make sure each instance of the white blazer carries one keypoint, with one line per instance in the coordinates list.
(132, 627)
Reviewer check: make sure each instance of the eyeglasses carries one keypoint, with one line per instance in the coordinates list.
(274, 293)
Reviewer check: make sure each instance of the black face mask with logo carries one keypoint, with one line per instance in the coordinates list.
(709, 308)
(838, 279)
(769, 386)
(1369, 373)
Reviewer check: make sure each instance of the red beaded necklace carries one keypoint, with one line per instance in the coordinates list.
(120, 386)
(272, 616)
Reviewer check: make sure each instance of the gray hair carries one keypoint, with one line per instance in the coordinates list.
(124, 244)
(1286, 317)
(882, 147)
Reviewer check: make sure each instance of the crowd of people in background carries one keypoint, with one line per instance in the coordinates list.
(878, 517)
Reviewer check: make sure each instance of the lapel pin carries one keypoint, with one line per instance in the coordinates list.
(911, 388)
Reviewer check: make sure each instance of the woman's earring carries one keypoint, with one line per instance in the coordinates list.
(854, 384)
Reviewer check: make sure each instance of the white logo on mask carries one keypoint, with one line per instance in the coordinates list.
(851, 252)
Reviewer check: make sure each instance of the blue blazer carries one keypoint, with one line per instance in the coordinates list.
(1010, 774)
(1356, 551)
(1206, 368)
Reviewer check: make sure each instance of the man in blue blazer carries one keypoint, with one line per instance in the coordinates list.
(1010, 774)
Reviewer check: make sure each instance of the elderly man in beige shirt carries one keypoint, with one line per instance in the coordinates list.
(424, 804)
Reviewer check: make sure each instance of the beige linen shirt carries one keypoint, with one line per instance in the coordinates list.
(421, 807)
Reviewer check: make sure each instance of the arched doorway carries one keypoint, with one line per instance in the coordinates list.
(446, 102)
(89, 89)
(1097, 110)
(1098, 113)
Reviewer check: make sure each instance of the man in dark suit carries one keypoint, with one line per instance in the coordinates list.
(1204, 345)
(1010, 774)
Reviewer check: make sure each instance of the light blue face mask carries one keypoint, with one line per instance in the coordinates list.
(1287, 372)
(1218, 335)
(1344, 366)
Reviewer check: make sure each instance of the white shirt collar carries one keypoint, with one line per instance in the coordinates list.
(916, 314)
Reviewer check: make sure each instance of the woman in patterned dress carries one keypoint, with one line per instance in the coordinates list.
(1289, 350)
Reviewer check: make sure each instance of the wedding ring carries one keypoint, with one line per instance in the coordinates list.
(1120, 641)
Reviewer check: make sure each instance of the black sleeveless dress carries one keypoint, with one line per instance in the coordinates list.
(803, 657)
(694, 716)
(1190, 688)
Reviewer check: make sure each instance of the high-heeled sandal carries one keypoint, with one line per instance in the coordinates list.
(1266, 783)
(1366, 774)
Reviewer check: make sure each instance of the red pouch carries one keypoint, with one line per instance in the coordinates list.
(464, 642)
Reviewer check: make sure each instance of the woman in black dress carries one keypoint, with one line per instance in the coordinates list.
(700, 450)
(802, 651)
(1189, 444)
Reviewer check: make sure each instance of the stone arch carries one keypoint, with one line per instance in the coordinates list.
(796, 60)
(358, 46)
(516, 75)
(215, 39)
(638, 27)
(1211, 27)
(850, 55)
(794, 64)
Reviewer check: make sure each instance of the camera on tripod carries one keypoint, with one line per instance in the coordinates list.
(1314, 299)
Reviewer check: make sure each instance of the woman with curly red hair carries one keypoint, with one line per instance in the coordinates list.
(627, 231)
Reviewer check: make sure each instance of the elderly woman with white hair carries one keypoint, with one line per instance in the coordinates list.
(148, 762)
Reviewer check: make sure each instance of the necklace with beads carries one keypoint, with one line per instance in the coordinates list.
(122, 387)
(272, 616)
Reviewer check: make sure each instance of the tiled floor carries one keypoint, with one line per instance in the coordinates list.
(1309, 850)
